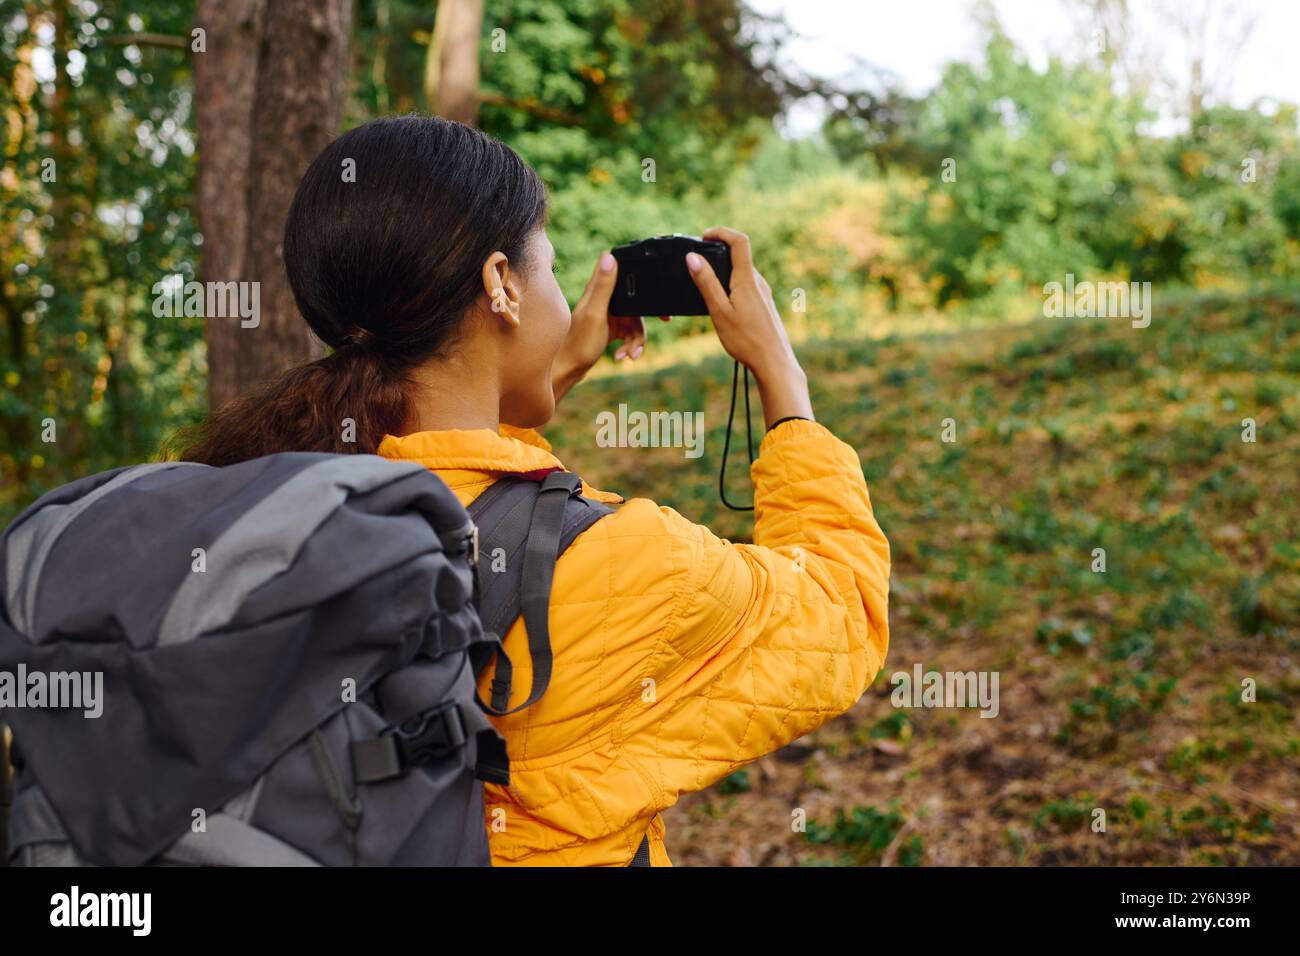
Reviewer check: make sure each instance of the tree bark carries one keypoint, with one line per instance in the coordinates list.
(269, 92)
(225, 79)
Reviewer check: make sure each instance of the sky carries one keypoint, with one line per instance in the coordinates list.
(915, 38)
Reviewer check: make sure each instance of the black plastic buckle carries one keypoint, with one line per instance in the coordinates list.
(462, 541)
(429, 736)
(473, 546)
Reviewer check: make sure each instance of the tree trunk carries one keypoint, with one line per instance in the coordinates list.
(225, 80)
(270, 95)
(451, 70)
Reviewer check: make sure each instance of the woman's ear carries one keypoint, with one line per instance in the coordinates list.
(501, 288)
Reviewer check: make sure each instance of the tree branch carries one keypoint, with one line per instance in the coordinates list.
(532, 107)
(150, 39)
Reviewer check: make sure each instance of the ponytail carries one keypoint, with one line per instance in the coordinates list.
(344, 403)
(384, 268)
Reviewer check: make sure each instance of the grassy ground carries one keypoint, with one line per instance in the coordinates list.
(1120, 691)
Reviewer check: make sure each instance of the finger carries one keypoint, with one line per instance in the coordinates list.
(737, 242)
(600, 287)
(620, 326)
(631, 329)
(707, 282)
(635, 341)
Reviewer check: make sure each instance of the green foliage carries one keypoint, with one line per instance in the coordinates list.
(1234, 171)
(1055, 173)
(586, 90)
(1067, 814)
(892, 727)
(99, 168)
(866, 833)
(737, 782)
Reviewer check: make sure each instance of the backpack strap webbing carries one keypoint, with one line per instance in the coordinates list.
(524, 526)
(427, 736)
(642, 857)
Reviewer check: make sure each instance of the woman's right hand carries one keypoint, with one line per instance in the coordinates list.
(750, 328)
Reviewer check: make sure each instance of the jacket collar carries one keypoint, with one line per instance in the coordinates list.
(519, 451)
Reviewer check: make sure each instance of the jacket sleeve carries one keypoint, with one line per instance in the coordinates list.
(767, 641)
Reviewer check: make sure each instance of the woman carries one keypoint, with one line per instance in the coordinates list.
(678, 657)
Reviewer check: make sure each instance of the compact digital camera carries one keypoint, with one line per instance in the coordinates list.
(653, 279)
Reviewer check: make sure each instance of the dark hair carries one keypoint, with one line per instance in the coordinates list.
(384, 270)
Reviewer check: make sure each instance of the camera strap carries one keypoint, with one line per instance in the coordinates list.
(726, 441)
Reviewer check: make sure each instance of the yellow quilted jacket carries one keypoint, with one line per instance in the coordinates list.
(679, 656)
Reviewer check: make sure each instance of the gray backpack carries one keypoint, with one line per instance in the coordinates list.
(271, 663)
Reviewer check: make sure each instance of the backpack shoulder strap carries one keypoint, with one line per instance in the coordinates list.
(523, 528)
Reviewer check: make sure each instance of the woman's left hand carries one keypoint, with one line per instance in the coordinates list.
(594, 329)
